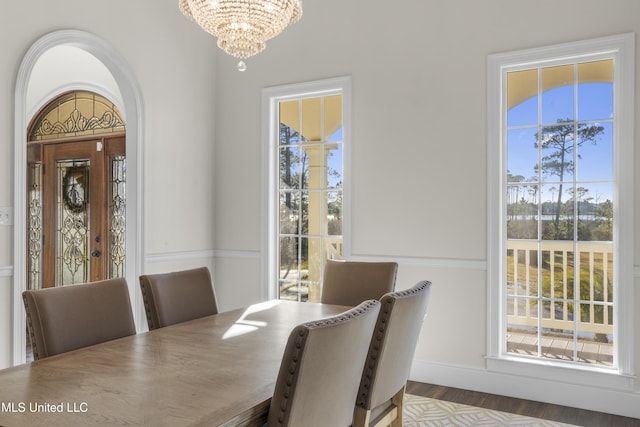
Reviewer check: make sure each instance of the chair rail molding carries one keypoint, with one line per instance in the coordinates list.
(6, 271)
(160, 257)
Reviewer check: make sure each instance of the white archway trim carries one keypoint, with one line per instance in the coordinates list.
(131, 105)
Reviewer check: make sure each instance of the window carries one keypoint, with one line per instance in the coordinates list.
(307, 128)
(561, 205)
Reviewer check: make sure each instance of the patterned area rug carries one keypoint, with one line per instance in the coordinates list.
(427, 412)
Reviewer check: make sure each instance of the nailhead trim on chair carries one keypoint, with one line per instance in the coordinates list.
(303, 333)
(342, 317)
(147, 308)
(374, 351)
(378, 338)
(32, 336)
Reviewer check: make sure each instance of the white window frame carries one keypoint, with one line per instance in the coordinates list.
(271, 97)
(622, 49)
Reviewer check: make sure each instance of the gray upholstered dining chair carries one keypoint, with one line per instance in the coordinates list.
(321, 368)
(179, 296)
(351, 282)
(66, 318)
(390, 357)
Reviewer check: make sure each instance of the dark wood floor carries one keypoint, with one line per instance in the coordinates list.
(563, 414)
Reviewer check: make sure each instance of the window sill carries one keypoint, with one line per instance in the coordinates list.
(567, 373)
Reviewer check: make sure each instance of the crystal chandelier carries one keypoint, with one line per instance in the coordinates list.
(242, 26)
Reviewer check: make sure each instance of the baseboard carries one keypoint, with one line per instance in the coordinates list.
(578, 396)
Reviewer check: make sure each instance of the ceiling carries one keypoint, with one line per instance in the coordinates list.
(523, 85)
(314, 118)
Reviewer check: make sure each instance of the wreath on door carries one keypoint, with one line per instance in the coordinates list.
(73, 188)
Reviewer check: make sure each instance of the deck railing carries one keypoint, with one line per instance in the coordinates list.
(333, 247)
(586, 307)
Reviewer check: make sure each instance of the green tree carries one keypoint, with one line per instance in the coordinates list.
(603, 230)
(559, 142)
(293, 174)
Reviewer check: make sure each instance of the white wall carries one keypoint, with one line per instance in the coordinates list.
(173, 63)
(419, 155)
(419, 149)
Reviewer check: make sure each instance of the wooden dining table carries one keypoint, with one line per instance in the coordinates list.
(219, 370)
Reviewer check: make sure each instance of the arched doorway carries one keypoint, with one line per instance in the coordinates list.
(108, 74)
(76, 179)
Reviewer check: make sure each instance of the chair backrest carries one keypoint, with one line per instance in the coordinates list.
(393, 346)
(178, 296)
(66, 318)
(321, 368)
(351, 282)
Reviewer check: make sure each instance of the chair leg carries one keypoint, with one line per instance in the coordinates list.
(392, 417)
(361, 417)
(387, 419)
(397, 400)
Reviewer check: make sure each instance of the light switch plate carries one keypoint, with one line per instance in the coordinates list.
(5, 216)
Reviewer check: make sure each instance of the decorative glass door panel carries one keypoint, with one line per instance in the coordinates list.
(117, 218)
(77, 207)
(73, 227)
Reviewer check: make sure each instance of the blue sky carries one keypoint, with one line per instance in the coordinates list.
(594, 105)
(334, 160)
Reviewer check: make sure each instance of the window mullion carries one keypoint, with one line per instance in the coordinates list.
(301, 191)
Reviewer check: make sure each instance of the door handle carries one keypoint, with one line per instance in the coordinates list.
(95, 254)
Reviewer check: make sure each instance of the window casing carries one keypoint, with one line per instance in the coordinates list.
(306, 131)
(561, 207)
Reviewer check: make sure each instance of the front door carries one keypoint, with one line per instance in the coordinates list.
(82, 210)
(76, 192)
